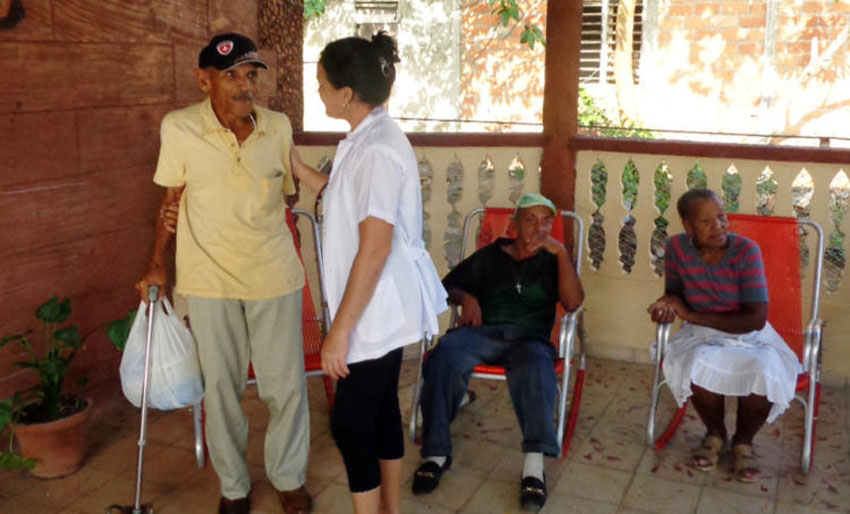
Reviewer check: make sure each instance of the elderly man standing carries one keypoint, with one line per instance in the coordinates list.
(225, 165)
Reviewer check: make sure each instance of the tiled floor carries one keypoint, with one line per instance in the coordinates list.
(609, 469)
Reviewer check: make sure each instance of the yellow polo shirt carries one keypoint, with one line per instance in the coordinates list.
(232, 237)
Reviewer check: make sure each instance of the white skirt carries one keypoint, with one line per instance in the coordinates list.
(758, 362)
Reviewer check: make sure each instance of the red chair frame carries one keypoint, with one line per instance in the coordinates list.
(313, 330)
(785, 314)
(565, 333)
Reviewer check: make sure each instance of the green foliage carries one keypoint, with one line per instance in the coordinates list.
(631, 179)
(44, 401)
(731, 186)
(662, 181)
(118, 330)
(591, 114)
(766, 188)
(599, 183)
(508, 11)
(532, 34)
(696, 177)
(314, 8)
(8, 458)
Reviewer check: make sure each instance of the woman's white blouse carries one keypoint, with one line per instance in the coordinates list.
(375, 174)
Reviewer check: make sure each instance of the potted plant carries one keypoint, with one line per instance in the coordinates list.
(50, 426)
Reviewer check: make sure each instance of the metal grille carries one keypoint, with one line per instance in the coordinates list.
(598, 25)
(372, 16)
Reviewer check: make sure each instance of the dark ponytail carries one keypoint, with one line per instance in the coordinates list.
(367, 67)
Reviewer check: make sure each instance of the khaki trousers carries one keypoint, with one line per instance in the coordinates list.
(230, 334)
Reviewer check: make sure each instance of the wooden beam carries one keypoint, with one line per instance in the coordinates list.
(560, 100)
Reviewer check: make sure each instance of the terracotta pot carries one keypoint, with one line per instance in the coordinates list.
(59, 447)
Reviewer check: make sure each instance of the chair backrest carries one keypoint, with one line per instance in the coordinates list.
(497, 222)
(311, 325)
(778, 239)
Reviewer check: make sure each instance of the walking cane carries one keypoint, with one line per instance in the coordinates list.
(137, 508)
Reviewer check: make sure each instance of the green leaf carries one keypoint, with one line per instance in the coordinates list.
(54, 311)
(6, 412)
(119, 330)
(16, 462)
(14, 338)
(314, 8)
(69, 335)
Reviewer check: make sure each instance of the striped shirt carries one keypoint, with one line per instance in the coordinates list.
(738, 278)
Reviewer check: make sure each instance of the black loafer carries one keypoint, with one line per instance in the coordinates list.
(427, 476)
(532, 493)
(238, 506)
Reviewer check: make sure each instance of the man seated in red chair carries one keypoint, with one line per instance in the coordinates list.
(715, 283)
(507, 292)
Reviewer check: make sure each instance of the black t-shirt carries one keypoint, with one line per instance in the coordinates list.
(523, 293)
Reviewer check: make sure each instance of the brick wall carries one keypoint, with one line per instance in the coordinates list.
(501, 78)
(711, 58)
(84, 85)
(707, 72)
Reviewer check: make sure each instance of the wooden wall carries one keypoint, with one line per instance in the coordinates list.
(83, 87)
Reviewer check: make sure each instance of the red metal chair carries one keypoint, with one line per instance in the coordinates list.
(313, 330)
(496, 223)
(778, 239)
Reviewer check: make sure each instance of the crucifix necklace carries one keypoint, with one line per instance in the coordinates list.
(518, 277)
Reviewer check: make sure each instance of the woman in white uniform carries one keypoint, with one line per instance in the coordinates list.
(382, 288)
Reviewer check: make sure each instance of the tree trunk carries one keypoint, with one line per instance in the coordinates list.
(623, 72)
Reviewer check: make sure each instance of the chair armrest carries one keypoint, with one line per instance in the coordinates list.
(662, 337)
(812, 345)
(567, 333)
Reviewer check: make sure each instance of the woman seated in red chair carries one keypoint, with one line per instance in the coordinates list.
(715, 282)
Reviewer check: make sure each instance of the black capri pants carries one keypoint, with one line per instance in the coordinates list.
(366, 420)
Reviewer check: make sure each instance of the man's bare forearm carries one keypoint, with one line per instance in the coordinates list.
(162, 232)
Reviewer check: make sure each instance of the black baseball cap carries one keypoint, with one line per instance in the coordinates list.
(226, 51)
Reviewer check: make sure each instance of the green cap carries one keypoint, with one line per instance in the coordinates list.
(532, 199)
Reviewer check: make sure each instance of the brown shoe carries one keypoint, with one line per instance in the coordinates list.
(238, 506)
(297, 501)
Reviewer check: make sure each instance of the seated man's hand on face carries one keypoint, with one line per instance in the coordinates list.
(470, 313)
(548, 243)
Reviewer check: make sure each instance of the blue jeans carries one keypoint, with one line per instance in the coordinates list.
(532, 382)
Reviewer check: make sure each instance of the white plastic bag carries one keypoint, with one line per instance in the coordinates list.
(175, 375)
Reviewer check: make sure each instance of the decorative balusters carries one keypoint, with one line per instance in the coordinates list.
(766, 187)
(731, 185)
(596, 233)
(486, 180)
(658, 241)
(454, 189)
(802, 190)
(516, 173)
(696, 177)
(628, 237)
(835, 256)
(426, 175)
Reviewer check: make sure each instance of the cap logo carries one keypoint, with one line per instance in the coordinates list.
(224, 47)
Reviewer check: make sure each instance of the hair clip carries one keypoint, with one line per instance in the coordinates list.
(385, 66)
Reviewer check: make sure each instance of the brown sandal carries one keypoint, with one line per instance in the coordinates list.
(746, 466)
(706, 456)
